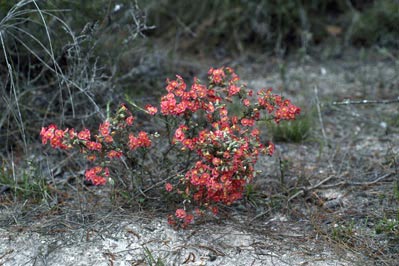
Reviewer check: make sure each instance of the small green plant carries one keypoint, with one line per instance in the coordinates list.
(396, 190)
(151, 260)
(252, 196)
(27, 186)
(388, 226)
(342, 232)
(292, 131)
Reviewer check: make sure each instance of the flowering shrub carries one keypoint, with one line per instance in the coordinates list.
(227, 146)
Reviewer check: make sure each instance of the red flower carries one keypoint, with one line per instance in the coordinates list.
(179, 133)
(133, 142)
(255, 132)
(180, 213)
(104, 129)
(168, 103)
(198, 90)
(114, 154)
(151, 109)
(91, 157)
(108, 139)
(72, 133)
(94, 175)
(47, 133)
(188, 219)
(55, 136)
(84, 134)
(98, 180)
(271, 148)
(233, 90)
(209, 108)
(171, 85)
(60, 133)
(144, 139)
(216, 161)
(246, 102)
(215, 210)
(247, 122)
(129, 120)
(93, 146)
(168, 187)
(216, 75)
(189, 143)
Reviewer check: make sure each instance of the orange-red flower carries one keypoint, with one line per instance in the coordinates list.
(93, 146)
(95, 175)
(142, 140)
(108, 139)
(180, 213)
(151, 109)
(270, 148)
(247, 122)
(129, 120)
(179, 133)
(216, 75)
(84, 134)
(168, 187)
(233, 90)
(104, 128)
(114, 154)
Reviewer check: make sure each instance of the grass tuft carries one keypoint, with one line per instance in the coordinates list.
(292, 131)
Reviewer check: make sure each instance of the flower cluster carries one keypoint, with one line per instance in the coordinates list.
(55, 136)
(180, 218)
(113, 141)
(179, 100)
(142, 140)
(96, 175)
(283, 108)
(225, 165)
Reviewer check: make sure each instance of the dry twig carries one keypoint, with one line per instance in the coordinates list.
(348, 102)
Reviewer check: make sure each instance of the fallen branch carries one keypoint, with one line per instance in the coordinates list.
(346, 183)
(347, 102)
(305, 190)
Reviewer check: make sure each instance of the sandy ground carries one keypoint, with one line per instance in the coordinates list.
(134, 240)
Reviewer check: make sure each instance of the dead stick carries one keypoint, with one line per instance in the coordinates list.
(346, 183)
(347, 102)
(307, 189)
(316, 92)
